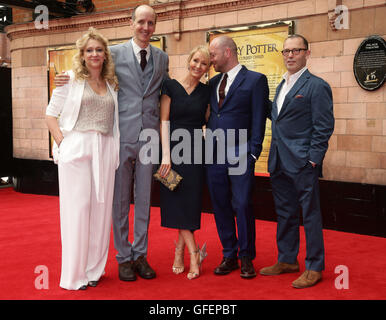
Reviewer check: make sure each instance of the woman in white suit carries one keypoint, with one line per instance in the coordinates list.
(82, 117)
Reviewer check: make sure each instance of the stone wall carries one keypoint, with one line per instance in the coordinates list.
(357, 151)
(21, 15)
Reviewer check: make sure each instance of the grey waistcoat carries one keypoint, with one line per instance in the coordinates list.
(139, 91)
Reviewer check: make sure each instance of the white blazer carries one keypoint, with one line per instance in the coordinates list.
(65, 104)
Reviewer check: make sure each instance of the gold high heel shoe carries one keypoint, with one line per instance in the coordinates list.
(202, 254)
(178, 269)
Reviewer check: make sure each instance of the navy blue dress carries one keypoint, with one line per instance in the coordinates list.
(181, 208)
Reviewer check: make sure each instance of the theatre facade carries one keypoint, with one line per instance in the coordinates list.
(353, 190)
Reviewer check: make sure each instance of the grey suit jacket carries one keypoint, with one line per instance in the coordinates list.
(138, 107)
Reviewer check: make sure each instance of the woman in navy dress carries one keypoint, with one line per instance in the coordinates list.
(184, 109)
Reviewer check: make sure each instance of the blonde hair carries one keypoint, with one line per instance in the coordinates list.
(79, 66)
(200, 48)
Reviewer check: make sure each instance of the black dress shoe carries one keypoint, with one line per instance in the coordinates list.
(143, 269)
(83, 287)
(93, 283)
(126, 272)
(226, 266)
(247, 269)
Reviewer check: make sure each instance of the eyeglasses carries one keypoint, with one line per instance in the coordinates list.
(295, 51)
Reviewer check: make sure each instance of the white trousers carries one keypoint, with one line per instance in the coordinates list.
(86, 164)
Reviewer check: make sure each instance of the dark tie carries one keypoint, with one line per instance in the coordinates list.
(143, 59)
(221, 90)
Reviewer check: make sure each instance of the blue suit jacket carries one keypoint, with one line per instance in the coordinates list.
(244, 107)
(302, 129)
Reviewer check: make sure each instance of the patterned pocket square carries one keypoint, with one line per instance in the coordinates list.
(299, 96)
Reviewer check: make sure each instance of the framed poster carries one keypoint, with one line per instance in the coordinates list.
(259, 49)
(59, 59)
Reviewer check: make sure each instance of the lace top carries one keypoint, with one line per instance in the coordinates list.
(96, 112)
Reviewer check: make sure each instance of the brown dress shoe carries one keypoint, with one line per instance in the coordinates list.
(308, 279)
(143, 269)
(126, 272)
(279, 268)
(226, 266)
(247, 269)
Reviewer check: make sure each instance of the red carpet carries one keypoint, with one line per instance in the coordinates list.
(30, 237)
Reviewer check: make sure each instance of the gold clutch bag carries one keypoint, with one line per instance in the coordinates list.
(171, 181)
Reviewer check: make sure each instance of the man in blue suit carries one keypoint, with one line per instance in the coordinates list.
(238, 102)
(302, 123)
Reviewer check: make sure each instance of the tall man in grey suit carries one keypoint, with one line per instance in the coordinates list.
(302, 123)
(140, 69)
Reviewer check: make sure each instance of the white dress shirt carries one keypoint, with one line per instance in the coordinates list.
(231, 77)
(289, 82)
(137, 49)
